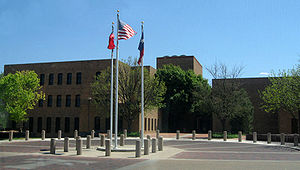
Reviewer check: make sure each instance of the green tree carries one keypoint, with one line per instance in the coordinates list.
(129, 91)
(187, 93)
(19, 93)
(3, 114)
(230, 102)
(283, 94)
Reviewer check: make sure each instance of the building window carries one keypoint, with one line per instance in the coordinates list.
(57, 124)
(30, 124)
(97, 123)
(68, 100)
(51, 77)
(78, 78)
(149, 124)
(69, 78)
(58, 101)
(49, 101)
(76, 123)
(41, 101)
(39, 124)
(59, 78)
(145, 124)
(67, 124)
(155, 127)
(97, 74)
(152, 124)
(77, 101)
(42, 79)
(48, 126)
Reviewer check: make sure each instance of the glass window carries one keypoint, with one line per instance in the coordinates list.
(31, 124)
(78, 78)
(69, 78)
(58, 101)
(76, 123)
(42, 79)
(77, 101)
(59, 78)
(57, 124)
(39, 124)
(48, 127)
(155, 127)
(97, 74)
(51, 77)
(41, 101)
(145, 124)
(151, 124)
(68, 100)
(49, 101)
(97, 123)
(67, 124)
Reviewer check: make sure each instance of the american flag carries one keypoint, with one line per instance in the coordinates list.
(125, 31)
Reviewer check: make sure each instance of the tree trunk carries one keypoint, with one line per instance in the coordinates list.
(298, 121)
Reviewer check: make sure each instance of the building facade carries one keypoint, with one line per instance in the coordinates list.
(67, 105)
(263, 122)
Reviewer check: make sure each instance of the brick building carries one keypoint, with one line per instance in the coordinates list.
(68, 99)
(263, 122)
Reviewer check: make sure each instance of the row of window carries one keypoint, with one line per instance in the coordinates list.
(59, 101)
(150, 124)
(58, 124)
(60, 78)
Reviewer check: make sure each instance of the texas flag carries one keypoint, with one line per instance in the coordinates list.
(141, 48)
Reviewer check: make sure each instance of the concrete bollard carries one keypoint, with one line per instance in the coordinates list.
(296, 140)
(108, 134)
(52, 146)
(125, 133)
(11, 135)
(177, 134)
(43, 134)
(157, 134)
(193, 135)
(268, 138)
(27, 135)
(122, 140)
(282, 139)
(149, 138)
(75, 134)
(225, 135)
(138, 148)
(146, 146)
(66, 144)
(88, 142)
(102, 139)
(254, 137)
(160, 143)
(59, 134)
(77, 139)
(209, 135)
(92, 134)
(240, 136)
(153, 145)
(79, 146)
(107, 147)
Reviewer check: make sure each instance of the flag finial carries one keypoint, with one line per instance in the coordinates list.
(113, 23)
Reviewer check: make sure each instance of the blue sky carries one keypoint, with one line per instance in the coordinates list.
(262, 35)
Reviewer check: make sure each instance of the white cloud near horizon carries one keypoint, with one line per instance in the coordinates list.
(264, 73)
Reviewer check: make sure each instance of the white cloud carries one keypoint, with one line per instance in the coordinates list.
(264, 73)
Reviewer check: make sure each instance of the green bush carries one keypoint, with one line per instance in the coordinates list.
(220, 135)
(133, 134)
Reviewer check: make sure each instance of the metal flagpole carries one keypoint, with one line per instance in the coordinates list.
(142, 97)
(111, 90)
(117, 84)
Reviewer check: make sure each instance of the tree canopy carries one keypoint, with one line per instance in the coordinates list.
(129, 91)
(229, 101)
(187, 93)
(283, 93)
(19, 92)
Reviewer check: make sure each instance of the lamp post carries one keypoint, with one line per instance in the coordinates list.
(89, 101)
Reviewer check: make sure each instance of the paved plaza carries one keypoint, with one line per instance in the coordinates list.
(177, 154)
